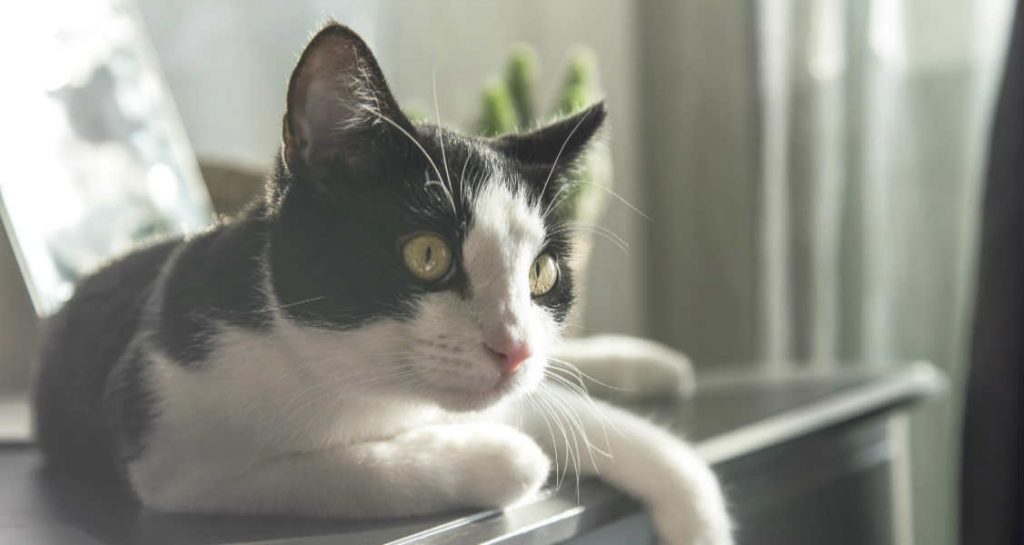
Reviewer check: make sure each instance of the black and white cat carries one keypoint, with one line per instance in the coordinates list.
(371, 339)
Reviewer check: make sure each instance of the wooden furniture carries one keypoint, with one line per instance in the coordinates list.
(804, 459)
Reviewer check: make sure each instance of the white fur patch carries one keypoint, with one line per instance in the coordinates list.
(451, 332)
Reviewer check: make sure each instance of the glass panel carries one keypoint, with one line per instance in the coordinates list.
(95, 160)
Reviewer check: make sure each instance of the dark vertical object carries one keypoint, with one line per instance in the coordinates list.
(992, 481)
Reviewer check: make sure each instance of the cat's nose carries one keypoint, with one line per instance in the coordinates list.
(509, 355)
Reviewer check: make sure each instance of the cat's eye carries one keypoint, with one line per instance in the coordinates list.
(427, 256)
(543, 275)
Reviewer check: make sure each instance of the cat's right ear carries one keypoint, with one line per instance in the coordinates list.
(340, 110)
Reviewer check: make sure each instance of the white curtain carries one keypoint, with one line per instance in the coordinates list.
(875, 118)
(816, 169)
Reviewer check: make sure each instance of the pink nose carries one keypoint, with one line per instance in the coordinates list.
(509, 355)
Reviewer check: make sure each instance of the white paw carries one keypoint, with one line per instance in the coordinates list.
(708, 528)
(629, 367)
(503, 467)
(690, 509)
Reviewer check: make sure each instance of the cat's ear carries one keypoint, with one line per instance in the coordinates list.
(340, 110)
(558, 144)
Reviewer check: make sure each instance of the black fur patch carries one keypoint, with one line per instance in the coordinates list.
(129, 402)
(214, 278)
(87, 337)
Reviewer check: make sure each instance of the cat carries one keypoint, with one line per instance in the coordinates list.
(369, 339)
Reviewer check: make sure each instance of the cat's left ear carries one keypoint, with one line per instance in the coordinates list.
(557, 145)
(340, 110)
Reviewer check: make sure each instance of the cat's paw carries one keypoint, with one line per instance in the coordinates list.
(711, 527)
(504, 467)
(629, 367)
(690, 508)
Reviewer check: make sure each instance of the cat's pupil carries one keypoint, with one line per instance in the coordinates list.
(429, 253)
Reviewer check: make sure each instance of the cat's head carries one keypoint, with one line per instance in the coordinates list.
(441, 253)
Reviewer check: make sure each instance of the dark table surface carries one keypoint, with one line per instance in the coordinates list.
(726, 419)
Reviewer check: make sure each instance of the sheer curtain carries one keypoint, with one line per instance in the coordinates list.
(817, 171)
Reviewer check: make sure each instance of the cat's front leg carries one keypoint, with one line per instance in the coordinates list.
(427, 470)
(487, 464)
(651, 464)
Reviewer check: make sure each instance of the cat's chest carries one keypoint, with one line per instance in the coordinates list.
(257, 391)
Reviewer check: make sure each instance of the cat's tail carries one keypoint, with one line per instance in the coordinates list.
(636, 456)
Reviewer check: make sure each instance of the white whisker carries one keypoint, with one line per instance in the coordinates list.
(602, 232)
(561, 149)
(416, 143)
(617, 197)
(570, 455)
(440, 137)
(551, 432)
(462, 176)
(571, 425)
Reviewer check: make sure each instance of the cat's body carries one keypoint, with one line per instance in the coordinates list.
(290, 362)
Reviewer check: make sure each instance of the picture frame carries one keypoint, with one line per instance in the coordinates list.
(96, 163)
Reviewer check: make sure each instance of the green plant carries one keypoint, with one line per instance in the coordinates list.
(521, 81)
(509, 105)
(498, 115)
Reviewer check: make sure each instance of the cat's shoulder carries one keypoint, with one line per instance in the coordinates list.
(120, 275)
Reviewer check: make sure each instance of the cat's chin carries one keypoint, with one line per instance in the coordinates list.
(471, 400)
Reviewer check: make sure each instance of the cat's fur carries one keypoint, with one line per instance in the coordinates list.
(287, 362)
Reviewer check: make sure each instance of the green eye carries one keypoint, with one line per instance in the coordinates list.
(427, 256)
(543, 275)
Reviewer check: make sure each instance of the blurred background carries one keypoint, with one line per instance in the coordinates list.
(812, 169)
